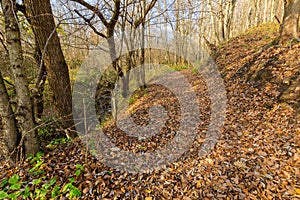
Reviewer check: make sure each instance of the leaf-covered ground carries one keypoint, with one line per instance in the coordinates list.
(256, 157)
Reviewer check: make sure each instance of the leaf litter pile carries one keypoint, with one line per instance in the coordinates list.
(256, 157)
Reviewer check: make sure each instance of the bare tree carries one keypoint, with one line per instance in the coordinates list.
(109, 24)
(129, 19)
(134, 21)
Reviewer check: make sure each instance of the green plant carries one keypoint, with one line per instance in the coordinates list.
(180, 67)
(37, 163)
(41, 192)
(224, 75)
(79, 168)
(14, 182)
(55, 191)
(3, 195)
(58, 141)
(36, 166)
(105, 121)
(71, 189)
(142, 147)
(46, 131)
(14, 188)
(27, 192)
(195, 71)
(11, 187)
(14, 196)
(37, 157)
(133, 98)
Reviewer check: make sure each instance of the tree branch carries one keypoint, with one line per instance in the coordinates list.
(3, 43)
(21, 8)
(116, 14)
(142, 18)
(95, 9)
(88, 21)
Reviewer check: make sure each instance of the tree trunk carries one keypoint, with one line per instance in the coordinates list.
(266, 10)
(38, 91)
(274, 5)
(142, 60)
(213, 22)
(178, 30)
(9, 133)
(249, 19)
(24, 109)
(257, 11)
(221, 20)
(290, 25)
(229, 18)
(44, 28)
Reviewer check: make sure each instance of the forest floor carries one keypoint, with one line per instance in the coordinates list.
(256, 157)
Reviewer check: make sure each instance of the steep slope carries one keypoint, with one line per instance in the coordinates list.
(275, 69)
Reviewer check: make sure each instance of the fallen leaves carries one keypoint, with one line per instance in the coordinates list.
(256, 157)
(239, 164)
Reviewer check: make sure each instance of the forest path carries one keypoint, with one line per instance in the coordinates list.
(257, 155)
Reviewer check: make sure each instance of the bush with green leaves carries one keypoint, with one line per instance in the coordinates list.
(58, 141)
(38, 187)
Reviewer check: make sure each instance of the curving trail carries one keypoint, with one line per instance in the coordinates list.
(257, 155)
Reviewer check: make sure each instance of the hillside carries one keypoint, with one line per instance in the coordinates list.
(256, 157)
(274, 70)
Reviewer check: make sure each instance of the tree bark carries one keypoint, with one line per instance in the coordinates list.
(274, 7)
(44, 28)
(266, 11)
(249, 18)
(257, 11)
(38, 90)
(221, 20)
(213, 21)
(10, 133)
(24, 109)
(229, 18)
(289, 27)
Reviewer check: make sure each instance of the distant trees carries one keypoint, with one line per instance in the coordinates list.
(133, 15)
(108, 22)
(222, 14)
(210, 22)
